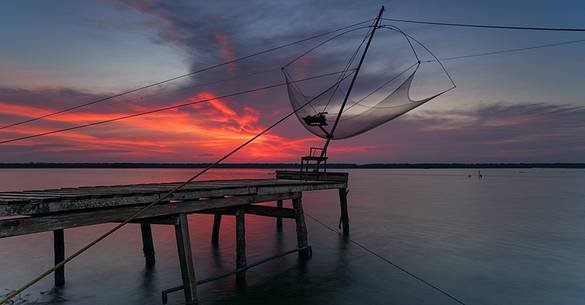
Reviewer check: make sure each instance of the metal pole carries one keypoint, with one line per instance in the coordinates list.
(330, 135)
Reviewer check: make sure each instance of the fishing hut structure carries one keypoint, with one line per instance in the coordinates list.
(56, 210)
(330, 112)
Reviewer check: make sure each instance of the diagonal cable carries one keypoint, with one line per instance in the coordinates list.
(161, 199)
(158, 110)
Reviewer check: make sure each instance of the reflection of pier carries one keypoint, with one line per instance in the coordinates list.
(59, 209)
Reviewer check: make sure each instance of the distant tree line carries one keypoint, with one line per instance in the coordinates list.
(293, 165)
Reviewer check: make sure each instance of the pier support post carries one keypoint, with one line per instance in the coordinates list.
(302, 240)
(344, 219)
(59, 251)
(279, 219)
(240, 243)
(147, 244)
(186, 259)
(215, 231)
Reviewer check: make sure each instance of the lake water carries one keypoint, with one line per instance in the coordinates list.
(513, 237)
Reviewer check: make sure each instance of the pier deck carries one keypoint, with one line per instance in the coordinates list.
(55, 210)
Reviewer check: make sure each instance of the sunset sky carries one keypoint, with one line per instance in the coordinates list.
(515, 107)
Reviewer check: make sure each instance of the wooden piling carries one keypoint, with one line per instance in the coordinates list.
(186, 259)
(279, 219)
(344, 213)
(216, 227)
(59, 251)
(302, 240)
(147, 244)
(240, 242)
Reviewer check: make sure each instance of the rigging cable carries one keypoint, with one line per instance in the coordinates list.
(388, 261)
(504, 51)
(488, 26)
(347, 67)
(163, 198)
(349, 63)
(359, 102)
(160, 109)
(392, 27)
(184, 75)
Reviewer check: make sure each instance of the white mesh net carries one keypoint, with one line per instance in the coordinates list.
(357, 117)
(318, 113)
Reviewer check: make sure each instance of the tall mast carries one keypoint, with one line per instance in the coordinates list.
(357, 70)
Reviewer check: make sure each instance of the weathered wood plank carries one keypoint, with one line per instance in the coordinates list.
(313, 176)
(28, 225)
(158, 220)
(53, 205)
(91, 202)
(220, 211)
(31, 195)
(262, 210)
(186, 259)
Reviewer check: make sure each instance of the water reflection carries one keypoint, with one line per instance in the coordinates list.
(510, 238)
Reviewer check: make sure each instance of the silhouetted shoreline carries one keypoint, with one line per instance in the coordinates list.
(294, 165)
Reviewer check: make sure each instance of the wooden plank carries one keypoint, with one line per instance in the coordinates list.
(28, 225)
(320, 176)
(158, 220)
(186, 259)
(41, 207)
(260, 210)
(13, 198)
(219, 211)
(31, 195)
(263, 210)
(153, 188)
(298, 188)
(69, 204)
(170, 185)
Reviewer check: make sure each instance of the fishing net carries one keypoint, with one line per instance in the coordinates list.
(387, 102)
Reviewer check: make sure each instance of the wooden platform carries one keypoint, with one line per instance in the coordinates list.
(70, 199)
(55, 210)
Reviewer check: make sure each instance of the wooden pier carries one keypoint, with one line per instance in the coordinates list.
(56, 210)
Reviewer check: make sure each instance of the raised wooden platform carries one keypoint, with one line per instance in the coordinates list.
(55, 210)
(80, 198)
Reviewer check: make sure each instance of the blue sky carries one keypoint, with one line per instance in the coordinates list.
(93, 48)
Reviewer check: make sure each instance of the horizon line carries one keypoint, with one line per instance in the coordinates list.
(274, 165)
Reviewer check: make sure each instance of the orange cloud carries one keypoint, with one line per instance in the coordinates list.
(211, 129)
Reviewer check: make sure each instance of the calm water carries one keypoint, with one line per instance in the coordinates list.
(514, 237)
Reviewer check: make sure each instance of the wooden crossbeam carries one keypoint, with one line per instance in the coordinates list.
(263, 210)
(260, 210)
